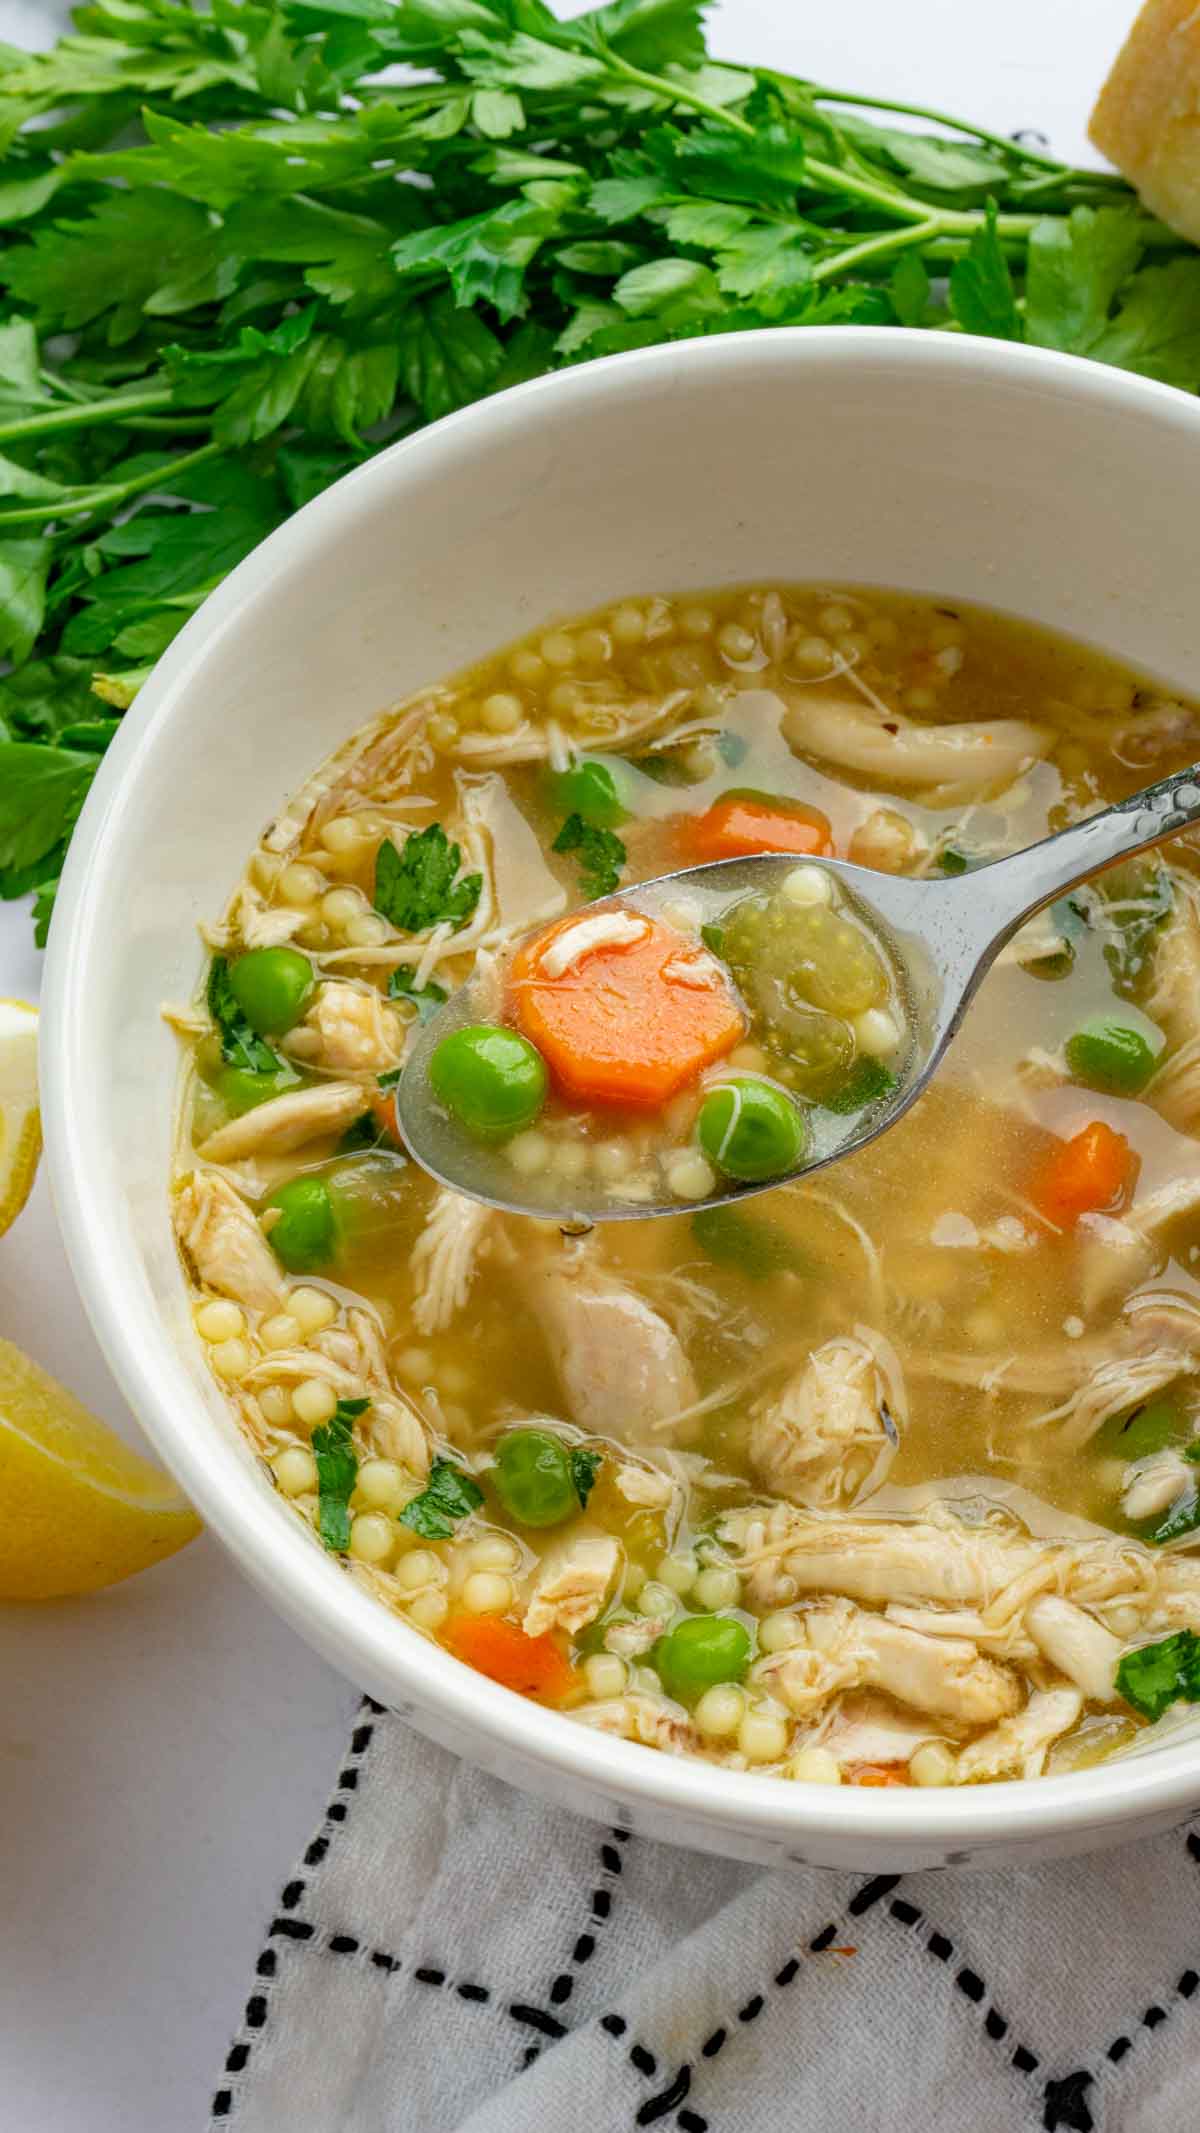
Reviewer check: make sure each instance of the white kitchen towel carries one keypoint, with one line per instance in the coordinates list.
(451, 1956)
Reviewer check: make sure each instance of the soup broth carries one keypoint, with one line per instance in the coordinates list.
(884, 1478)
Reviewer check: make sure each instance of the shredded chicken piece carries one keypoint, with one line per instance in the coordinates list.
(607, 929)
(614, 728)
(286, 1122)
(622, 1368)
(1150, 1486)
(657, 1724)
(1173, 994)
(1075, 1644)
(830, 1434)
(358, 1032)
(525, 893)
(394, 1428)
(1017, 1747)
(784, 1552)
(573, 1584)
(445, 1258)
(1114, 1387)
(645, 1485)
(867, 1729)
(964, 761)
(847, 1648)
(226, 1247)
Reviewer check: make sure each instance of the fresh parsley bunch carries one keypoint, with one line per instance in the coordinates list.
(240, 253)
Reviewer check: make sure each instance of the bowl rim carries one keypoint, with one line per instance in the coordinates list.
(348, 1625)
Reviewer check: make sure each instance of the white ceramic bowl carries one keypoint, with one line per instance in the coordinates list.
(1057, 489)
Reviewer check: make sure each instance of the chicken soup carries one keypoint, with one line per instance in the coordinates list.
(888, 1477)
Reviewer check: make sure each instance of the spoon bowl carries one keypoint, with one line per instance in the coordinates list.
(942, 935)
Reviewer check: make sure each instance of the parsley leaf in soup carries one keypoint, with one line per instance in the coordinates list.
(425, 998)
(584, 1468)
(449, 1495)
(337, 1472)
(420, 885)
(600, 853)
(241, 1046)
(750, 1246)
(1158, 1675)
(866, 1082)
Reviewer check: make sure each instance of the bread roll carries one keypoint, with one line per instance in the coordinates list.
(1147, 120)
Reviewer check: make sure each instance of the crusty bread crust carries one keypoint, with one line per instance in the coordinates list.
(1147, 119)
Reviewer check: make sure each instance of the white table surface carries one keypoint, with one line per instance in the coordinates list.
(165, 1747)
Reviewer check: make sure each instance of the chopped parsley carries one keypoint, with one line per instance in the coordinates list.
(600, 853)
(448, 1496)
(425, 998)
(866, 1082)
(756, 1249)
(713, 938)
(952, 861)
(421, 886)
(584, 1468)
(337, 1472)
(241, 1046)
(1158, 1675)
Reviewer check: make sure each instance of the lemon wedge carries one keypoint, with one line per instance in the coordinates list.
(20, 1123)
(80, 1510)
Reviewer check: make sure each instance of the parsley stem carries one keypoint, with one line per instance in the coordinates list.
(82, 414)
(677, 92)
(1017, 150)
(873, 247)
(104, 496)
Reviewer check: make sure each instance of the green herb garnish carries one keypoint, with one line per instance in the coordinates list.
(258, 252)
(241, 1046)
(425, 998)
(420, 886)
(449, 1495)
(713, 938)
(600, 852)
(952, 861)
(337, 1472)
(752, 1247)
(584, 1468)
(866, 1082)
(1157, 1675)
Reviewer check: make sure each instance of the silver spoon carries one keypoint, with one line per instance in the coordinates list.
(943, 935)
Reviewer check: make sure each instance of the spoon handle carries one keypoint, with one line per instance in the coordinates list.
(1023, 882)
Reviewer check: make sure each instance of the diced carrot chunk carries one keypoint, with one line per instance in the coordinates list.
(742, 823)
(533, 1666)
(879, 1774)
(628, 1023)
(1092, 1172)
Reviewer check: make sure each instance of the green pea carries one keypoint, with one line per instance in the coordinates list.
(589, 789)
(240, 1088)
(533, 1477)
(749, 1130)
(1110, 1056)
(699, 1652)
(272, 986)
(491, 1080)
(305, 1235)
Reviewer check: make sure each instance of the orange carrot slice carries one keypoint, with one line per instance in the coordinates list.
(879, 1774)
(533, 1666)
(741, 823)
(627, 1022)
(1093, 1171)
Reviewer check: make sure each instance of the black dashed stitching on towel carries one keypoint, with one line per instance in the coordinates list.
(257, 2008)
(600, 1904)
